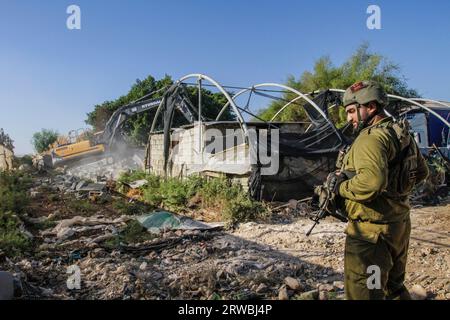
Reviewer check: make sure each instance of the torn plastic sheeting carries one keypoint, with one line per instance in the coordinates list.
(158, 221)
(136, 184)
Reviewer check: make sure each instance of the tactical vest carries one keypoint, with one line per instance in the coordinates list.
(403, 168)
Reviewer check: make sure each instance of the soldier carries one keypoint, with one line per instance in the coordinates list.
(379, 170)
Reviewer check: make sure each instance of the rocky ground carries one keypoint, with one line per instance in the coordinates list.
(270, 260)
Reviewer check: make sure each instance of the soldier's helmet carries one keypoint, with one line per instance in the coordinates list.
(363, 92)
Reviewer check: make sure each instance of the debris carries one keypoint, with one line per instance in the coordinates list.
(93, 187)
(323, 295)
(143, 266)
(293, 283)
(262, 288)
(35, 194)
(325, 287)
(418, 292)
(65, 233)
(159, 221)
(38, 162)
(80, 185)
(136, 184)
(283, 293)
(338, 285)
(310, 295)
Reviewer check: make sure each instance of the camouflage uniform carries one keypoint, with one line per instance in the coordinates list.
(379, 223)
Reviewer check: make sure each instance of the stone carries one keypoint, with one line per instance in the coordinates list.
(283, 293)
(65, 233)
(418, 292)
(323, 295)
(309, 295)
(34, 194)
(6, 286)
(120, 269)
(325, 287)
(80, 185)
(262, 288)
(156, 275)
(292, 283)
(143, 266)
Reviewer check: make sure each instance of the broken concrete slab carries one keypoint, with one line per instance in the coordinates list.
(80, 185)
(93, 187)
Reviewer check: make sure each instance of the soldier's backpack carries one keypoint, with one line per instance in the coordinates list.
(403, 168)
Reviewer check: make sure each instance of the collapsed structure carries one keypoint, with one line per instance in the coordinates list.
(274, 160)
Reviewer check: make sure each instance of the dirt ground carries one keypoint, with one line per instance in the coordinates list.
(256, 260)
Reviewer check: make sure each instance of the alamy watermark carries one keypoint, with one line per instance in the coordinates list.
(73, 21)
(74, 279)
(229, 149)
(373, 22)
(374, 280)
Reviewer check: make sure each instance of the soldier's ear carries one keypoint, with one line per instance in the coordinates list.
(372, 106)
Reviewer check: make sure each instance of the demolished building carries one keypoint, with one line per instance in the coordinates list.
(274, 160)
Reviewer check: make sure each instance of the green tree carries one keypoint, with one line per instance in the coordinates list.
(138, 126)
(102, 112)
(362, 65)
(43, 139)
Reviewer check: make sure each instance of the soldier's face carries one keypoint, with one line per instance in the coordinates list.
(352, 114)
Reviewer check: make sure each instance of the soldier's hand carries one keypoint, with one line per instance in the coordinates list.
(334, 180)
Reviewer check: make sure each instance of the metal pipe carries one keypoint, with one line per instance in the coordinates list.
(200, 115)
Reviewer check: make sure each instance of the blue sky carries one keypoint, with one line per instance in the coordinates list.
(50, 77)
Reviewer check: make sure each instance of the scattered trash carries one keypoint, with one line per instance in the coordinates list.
(160, 221)
(136, 184)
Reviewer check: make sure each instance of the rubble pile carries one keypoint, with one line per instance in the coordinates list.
(109, 167)
(271, 260)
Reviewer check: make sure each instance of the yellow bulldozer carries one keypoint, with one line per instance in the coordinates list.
(82, 144)
(77, 144)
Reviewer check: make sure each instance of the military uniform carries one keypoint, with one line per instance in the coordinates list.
(379, 223)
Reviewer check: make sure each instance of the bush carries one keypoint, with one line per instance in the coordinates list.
(130, 208)
(218, 194)
(242, 209)
(175, 193)
(26, 159)
(43, 139)
(81, 206)
(12, 240)
(13, 191)
(128, 177)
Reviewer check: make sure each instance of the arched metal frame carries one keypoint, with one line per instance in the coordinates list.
(437, 115)
(433, 101)
(199, 78)
(414, 102)
(284, 107)
(282, 86)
